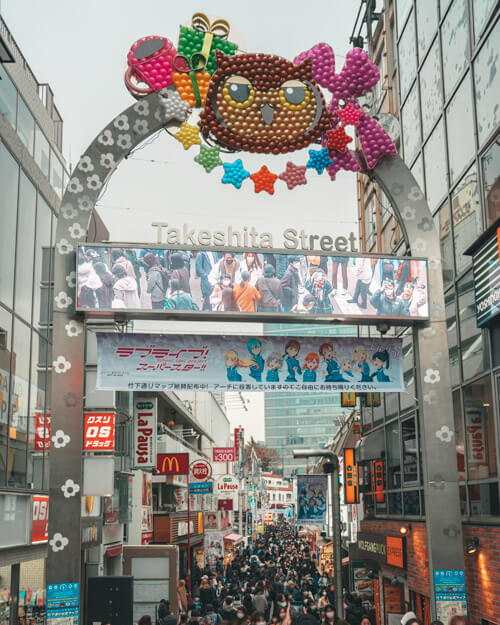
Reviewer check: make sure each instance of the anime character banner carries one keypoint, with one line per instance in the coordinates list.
(311, 499)
(155, 362)
(227, 283)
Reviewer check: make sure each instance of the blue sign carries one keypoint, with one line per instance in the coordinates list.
(201, 488)
(63, 602)
(449, 581)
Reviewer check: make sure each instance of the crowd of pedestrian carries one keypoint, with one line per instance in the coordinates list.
(274, 582)
(247, 282)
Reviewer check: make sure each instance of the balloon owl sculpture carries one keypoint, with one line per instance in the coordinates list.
(262, 103)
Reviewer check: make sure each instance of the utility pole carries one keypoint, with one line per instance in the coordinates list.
(331, 467)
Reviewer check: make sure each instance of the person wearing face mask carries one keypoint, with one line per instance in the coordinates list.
(227, 265)
(331, 617)
(323, 599)
(242, 616)
(252, 263)
(216, 295)
(227, 612)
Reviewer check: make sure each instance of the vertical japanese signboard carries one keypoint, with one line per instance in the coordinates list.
(350, 477)
(145, 415)
(42, 432)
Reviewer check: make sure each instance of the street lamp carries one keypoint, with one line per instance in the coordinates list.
(331, 466)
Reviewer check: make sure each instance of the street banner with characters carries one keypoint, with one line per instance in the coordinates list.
(156, 362)
(311, 499)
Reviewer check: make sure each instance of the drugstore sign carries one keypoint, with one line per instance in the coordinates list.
(486, 265)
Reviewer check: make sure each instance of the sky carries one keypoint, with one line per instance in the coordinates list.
(80, 47)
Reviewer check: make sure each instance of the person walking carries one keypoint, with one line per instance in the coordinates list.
(157, 281)
(245, 294)
(270, 290)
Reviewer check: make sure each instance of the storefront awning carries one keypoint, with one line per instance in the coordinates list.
(234, 538)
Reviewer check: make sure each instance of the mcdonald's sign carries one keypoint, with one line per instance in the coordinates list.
(172, 464)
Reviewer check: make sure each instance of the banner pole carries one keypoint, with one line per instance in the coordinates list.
(189, 542)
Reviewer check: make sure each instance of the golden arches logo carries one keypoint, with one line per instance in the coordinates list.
(172, 462)
(89, 503)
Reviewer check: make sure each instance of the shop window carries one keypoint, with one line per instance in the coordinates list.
(56, 173)
(391, 405)
(484, 499)
(403, 6)
(490, 164)
(459, 435)
(430, 89)
(451, 325)
(18, 430)
(462, 492)
(8, 97)
(378, 412)
(486, 68)
(480, 434)
(407, 57)
(393, 455)
(5, 347)
(435, 166)
(442, 220)
(42, 265)
(407, 399)
(395, 504)
(15, 519)
(474, 352)
(460, 120)
(410, 451)
(37, 412)
(481, 10)
(42, 151)
(410, 121)
(25, 249)
(25, 125)
(411, 500)
(5, 598)
(454, 43)
(9, 173)
(426, 25)
(466, 212)
(31, 600)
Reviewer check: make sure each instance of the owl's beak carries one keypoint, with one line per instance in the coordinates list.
(267, 113)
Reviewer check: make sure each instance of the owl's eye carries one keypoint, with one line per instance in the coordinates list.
(294, 94)
(238, 91)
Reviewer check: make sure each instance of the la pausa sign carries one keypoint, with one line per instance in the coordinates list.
(250, 237)
(227, 484)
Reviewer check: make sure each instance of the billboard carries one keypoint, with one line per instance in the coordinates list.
(172, 464)
(217, 283)
(158, 362)
(145, 416)
(311, 499)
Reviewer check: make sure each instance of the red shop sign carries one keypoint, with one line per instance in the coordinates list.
(40, 522)
(172, 464)
(224, 504)
(42, 432)
(201, 470)
(223, 454)
(99, 431)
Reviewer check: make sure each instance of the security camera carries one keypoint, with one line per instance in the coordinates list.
(383, 327)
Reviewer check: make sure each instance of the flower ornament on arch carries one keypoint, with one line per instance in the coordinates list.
(60, 439)
(61, 365)
(76, 231)
(63, 300)
(432, 376)
(445, 434)
(58, 542)
(71, 279)
(64, 247)
(70, 488)
(73, 328)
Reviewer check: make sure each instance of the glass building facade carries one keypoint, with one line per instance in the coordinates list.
(32, 175)
(439, 64)
(300, 420)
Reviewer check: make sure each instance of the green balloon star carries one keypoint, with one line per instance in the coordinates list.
(208, 157)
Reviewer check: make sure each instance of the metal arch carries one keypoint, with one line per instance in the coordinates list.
(435, 405)
(109, 148)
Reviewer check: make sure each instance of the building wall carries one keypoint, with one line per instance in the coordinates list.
(295, 420)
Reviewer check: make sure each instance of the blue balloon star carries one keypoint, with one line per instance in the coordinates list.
(235, 173)
(318, 160)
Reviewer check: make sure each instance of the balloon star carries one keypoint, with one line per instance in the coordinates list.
(264, 180)
(208, 157)
(318, 160)
(235, 173)
(350, 115)
(294, 175)
(173, 106)
(338, 139)
(188, 135)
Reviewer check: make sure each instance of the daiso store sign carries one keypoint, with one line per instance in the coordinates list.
(227, 485)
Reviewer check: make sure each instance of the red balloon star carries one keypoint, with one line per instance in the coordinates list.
(350, 115)
(294, 175)
(338, 139)
(264, 180)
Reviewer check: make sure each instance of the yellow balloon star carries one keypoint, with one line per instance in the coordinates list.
(188, 135)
